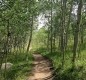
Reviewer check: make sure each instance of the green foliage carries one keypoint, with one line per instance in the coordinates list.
(66, 72)
(15, 28)
(39, 39)
(21, 68)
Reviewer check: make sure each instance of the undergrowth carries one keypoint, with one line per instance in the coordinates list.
(66, 72)
(21, 66)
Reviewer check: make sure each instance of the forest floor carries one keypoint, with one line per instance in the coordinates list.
(41, 68)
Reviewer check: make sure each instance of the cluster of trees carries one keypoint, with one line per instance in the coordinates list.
(65, 26)
(16, 25)
(69, 22)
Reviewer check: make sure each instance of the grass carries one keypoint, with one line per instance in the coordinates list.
(66, 72)
(21, 66)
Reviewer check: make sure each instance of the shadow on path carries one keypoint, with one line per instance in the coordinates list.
(41, 69)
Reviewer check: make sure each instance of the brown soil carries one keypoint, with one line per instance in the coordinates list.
(41, 69)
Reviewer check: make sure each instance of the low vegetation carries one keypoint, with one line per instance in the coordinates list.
(21, 67)
(54, 28)
(67, 72)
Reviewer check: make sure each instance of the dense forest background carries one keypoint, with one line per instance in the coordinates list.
(54, 28)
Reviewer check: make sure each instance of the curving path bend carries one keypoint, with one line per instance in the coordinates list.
(41, 69)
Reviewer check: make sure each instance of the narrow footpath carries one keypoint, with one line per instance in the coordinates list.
(41, 69)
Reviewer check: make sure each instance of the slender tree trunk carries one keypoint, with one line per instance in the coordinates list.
(6, 48)
(51, 28)
(30, 36)
(76, 34)
(48, 39)
(54, 40)
(68, 25)
(82, 34)
(1, 58)
(63, 7)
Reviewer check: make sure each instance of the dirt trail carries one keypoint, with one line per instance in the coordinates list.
(41, 69)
